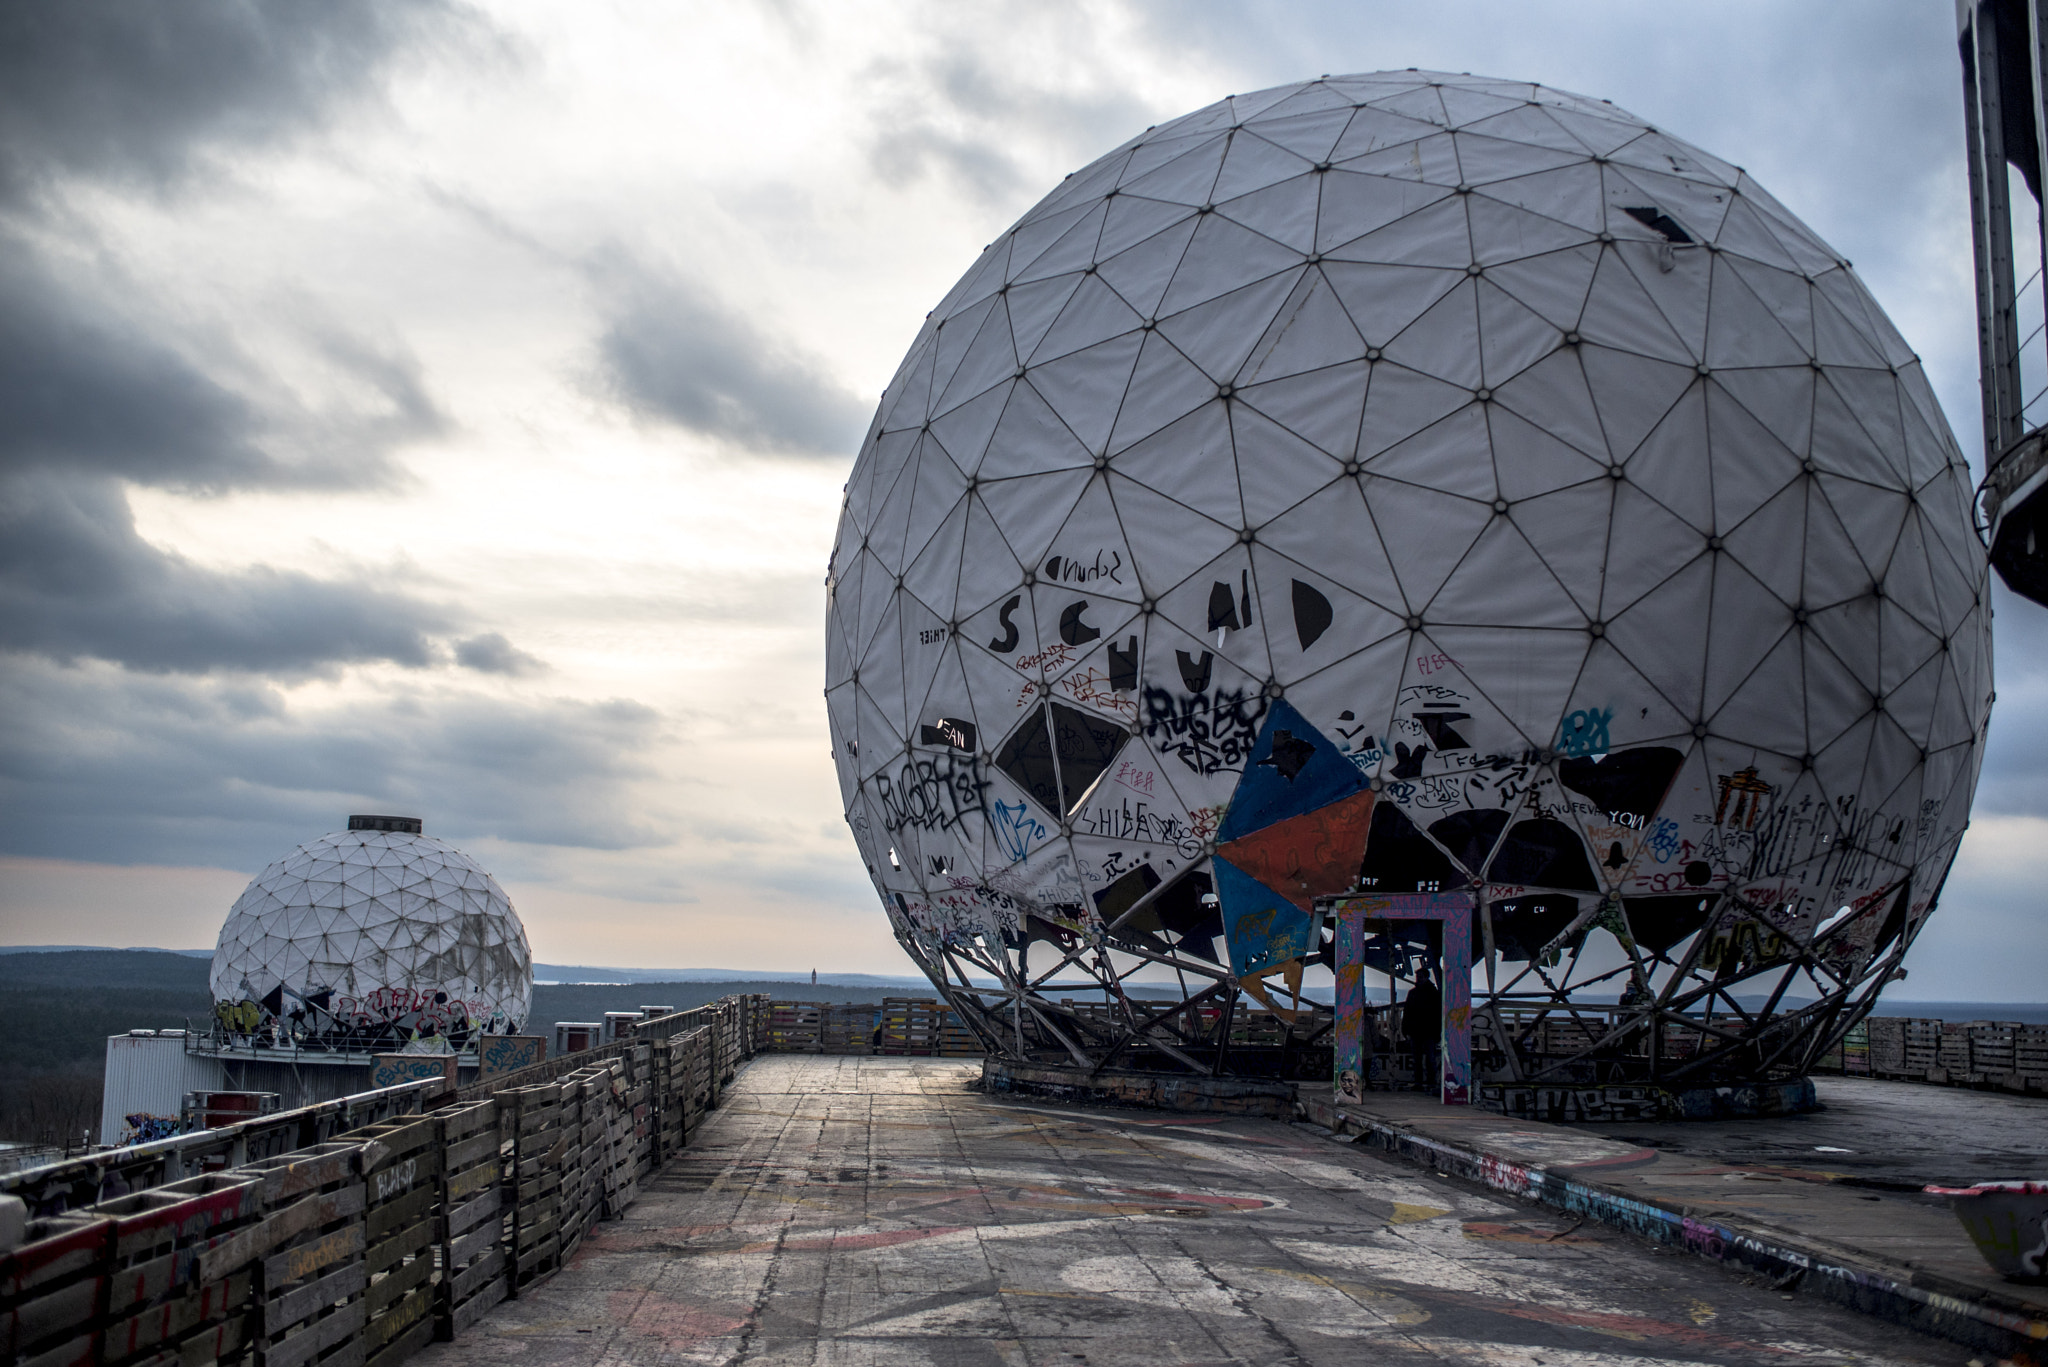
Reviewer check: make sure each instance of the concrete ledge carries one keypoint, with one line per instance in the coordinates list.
(1154, 1091)
(1977, 1315)
(1640, 1101)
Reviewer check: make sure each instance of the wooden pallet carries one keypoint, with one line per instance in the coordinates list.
(50, 1286)
(310, 1306)
(2030, 1055)
(532, 1119)
(572, 1197)
(470, 1230)
(636, 1144)
(401, 1164)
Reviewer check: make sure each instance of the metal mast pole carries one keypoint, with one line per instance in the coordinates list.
(2006, 124)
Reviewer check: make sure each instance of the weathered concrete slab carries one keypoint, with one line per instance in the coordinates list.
(1785, 1195)
(877, 1211)
(1901, 1135)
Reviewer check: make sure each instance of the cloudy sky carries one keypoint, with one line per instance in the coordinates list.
(443, 410)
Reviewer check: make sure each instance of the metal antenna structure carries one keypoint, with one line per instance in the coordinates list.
(2005, 108)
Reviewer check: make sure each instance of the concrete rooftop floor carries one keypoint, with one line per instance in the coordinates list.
(869, 1210)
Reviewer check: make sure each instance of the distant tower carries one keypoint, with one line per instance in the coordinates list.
(2006, 125)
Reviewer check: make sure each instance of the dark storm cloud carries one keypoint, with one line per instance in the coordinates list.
(957, 117)
(77, 581)
(143, 93)
(132, 763)
(99, 765)
(95, 396)
(91, 388)
(80, 392)
(99, 389)
(674, 353)
(491, 653)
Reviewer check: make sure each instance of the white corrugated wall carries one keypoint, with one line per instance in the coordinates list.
(149, 1074)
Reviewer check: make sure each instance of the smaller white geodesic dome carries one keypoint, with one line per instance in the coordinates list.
(373, 936)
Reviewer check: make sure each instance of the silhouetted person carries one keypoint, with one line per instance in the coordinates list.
(1422, 1022)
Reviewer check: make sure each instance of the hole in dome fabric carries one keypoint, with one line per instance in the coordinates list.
(1658, 923)
(1522, 926)
(1470, 836)
(1400, 859)
(1059, 743)
(1196, 922)
(1650, 216)
(1543, 853)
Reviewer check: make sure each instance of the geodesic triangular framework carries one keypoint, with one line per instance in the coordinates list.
(366, 940)
(1537, 465)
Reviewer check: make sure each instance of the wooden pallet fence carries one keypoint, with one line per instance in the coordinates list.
(77, 1183)
(812, 1028)
(401, 1166)
(695, 1082)
(587, 1112)
(924, 1027)
(728, 1041)
(311, 1277)
(668, 1067)
(373, 1236)
(530, 1118)
(630, 1140)
(633, 1134)
(911, 1026)
(1856, 1050)
(795, 1028)
(2030, 1055)
(1887, 1045)
(2005, 1056)
(470, 1224)
(162, 1300)
(50, 1290)
(574, 1197)
(847, 1030)
(1923, 1046)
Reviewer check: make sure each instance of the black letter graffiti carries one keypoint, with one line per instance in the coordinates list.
(1442, 734)
(1123, 667)
(1312, 614)
(1207, 733)
(932, 794)
(1007, 642)
(949, 731)
(1073, 630)
(1222, 606)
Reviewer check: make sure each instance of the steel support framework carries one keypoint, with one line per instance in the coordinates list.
(2005, 120)
(1687, 1019)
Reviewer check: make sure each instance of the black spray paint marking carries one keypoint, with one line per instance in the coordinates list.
(932, 794)
(1206, 732)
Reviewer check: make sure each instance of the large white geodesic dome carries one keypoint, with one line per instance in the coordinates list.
(1536, 465)
(372, 938)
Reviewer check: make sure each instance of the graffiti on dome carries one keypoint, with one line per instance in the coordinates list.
(1016, 829)
(1583, 733)
(934, 794)
(1521, 688)
(1208, 731)
(1118, 817)
(1103, 565)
